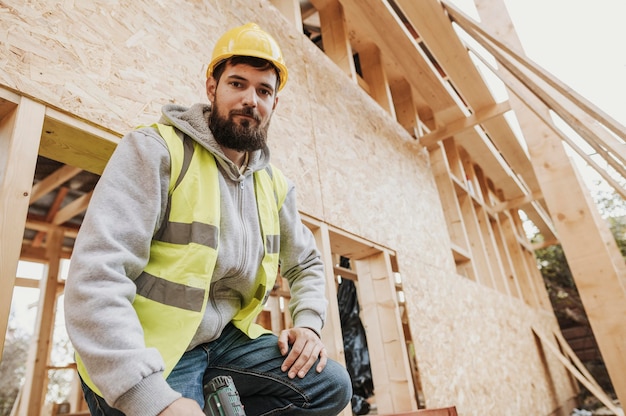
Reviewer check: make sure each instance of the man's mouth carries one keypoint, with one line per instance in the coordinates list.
(247, 113)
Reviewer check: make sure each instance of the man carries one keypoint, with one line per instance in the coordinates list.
(178, 252)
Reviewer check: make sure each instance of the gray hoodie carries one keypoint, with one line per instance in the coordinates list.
(113, 246)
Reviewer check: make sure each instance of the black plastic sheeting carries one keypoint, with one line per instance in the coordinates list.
(355, 344)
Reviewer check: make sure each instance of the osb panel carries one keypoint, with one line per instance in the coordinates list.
(476, 350)
(376, 183)
(116, 63)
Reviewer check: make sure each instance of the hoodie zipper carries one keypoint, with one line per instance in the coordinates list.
(245, 232)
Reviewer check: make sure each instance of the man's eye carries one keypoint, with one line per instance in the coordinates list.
(235, 84)
(266, 92)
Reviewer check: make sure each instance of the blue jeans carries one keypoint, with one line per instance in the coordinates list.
(254, 366)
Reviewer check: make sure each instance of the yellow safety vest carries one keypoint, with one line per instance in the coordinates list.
(173, 289)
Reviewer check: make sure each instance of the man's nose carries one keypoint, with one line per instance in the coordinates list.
(250, 97)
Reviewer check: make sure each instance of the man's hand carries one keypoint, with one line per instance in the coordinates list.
(183, 407)
(306, 347)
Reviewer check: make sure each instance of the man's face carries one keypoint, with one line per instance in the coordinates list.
(242, 105)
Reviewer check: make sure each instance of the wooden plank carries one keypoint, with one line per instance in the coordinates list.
(38, 225)
(491, 249)
(354, 247)
(76, 143)
(375, 76)
(26, 282)
(518, 278)
(375, 22)
(335, 35)
(516, 203)
(72, 209)
(332, 329)
(476, 243)
(506, 261)
(53, 181)
(447, 195)
(20, 131)
(331, 333)
(581, 123)
(438, 34)
(36, 378)
(391, 371)
(455, 127)
(537, 279)
(591, 386)
(52, 211)
(404, 106)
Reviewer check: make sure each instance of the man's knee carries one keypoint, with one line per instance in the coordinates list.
(339, 381)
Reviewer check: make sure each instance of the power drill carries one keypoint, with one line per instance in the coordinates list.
(222, 398)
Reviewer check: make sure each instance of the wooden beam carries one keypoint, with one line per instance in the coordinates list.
(581, 123)
(515, 203)
(345, 273)
(38, 255)
(375, 76)
(404, 106)
(331, 332)
(72, 209)
(52, 211)
(592, 386)
(78, 143)
(377, 19)
(335, 35)
(391, 371)
(430, 20)
(53, 181)
(20, 131)
(36, 378)
(38, 225)
(457, 126)
(26, 282)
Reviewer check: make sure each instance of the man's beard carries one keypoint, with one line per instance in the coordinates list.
(244, 136)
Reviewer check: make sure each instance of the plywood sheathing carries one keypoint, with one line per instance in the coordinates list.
(500, 329)
(354, 167)
(19, 138)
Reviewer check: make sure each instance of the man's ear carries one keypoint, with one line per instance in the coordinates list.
(275, 103)
(211, 85)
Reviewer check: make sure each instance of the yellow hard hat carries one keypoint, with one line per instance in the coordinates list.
(249, 40)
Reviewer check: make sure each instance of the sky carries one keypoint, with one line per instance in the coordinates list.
(579, 41)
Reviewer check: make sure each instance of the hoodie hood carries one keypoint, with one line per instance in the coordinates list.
(194, 122)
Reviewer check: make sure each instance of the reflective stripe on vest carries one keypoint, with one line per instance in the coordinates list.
(173, 289)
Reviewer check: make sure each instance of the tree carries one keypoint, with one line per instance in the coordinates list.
(12, 367)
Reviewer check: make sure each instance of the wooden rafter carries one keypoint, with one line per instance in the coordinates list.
(455, 127)
(577, 370)
(53, 181)
(52, 212)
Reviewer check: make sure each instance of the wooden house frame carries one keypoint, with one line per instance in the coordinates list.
(406, 67)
